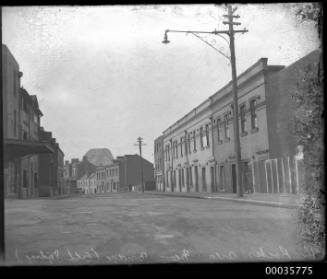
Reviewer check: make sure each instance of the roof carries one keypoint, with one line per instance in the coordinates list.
(6, 50)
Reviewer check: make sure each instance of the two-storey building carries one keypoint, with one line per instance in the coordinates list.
(199, 150)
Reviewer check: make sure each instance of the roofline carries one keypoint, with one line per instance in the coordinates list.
(10, 53)
(262, 60)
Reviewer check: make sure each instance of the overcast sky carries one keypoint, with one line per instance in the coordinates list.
(103, 77)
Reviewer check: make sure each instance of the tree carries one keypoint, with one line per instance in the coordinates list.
(308, 124)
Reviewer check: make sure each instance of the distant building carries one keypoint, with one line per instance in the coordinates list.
(94, 158)
(112, 176)
(130, 174)
(101, 180)
(83, 184)
(92, 182)
(70, 175)
(124, 174)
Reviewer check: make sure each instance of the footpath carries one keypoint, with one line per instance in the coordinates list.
(264, 199)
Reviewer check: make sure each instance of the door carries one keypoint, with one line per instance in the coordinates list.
(212, 173)
(204, 182)
(180, 179)
(221, 178)
(262, 177)
(234, 178)
(196, 179)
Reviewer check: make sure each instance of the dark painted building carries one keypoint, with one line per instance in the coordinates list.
(126, 172)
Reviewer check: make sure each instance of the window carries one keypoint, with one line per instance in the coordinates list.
(168, 153)
(194, 141)
(176, 149)
(183, 177)
(189, 143)
(219, 132)
(15, 123)
(243, 118)
(185, 143)
(201, 137)
(181, 146)
(207, 134)
(14, 82)
(226, 123)
(254, 123)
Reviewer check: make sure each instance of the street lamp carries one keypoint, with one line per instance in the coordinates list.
(165, 40)
(230, 32)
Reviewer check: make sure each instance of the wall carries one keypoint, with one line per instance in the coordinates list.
(11, 103)
(281, 86)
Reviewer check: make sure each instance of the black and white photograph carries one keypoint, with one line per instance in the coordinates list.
(163, 134)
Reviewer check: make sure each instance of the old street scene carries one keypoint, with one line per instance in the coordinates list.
(162, 134)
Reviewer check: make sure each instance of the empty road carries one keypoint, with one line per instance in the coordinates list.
(144, 228)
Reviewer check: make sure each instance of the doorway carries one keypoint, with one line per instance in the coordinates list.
(213, 184)
(234, 178)
(196, 179)
(221, 178)
(204, 182)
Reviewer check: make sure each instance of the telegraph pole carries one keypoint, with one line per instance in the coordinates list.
(230, 33)
(140, 144)
(237, 143)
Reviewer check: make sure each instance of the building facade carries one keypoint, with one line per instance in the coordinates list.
(101, 180)
(21, 123)
(83, 183)
(130, 172)
(159, 169)
(199, 151)
(112, 176)
(124, 174)
(51, 168)
(71, 175)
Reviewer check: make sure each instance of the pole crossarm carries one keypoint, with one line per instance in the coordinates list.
(198, 32)
(215, 32)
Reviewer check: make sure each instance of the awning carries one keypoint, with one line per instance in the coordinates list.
(14, 149)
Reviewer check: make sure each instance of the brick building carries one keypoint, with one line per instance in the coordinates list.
(199, 154)
(130, 172)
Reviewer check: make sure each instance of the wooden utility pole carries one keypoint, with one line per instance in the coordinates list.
(230, 33)
(237, 143)
(140, 144)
